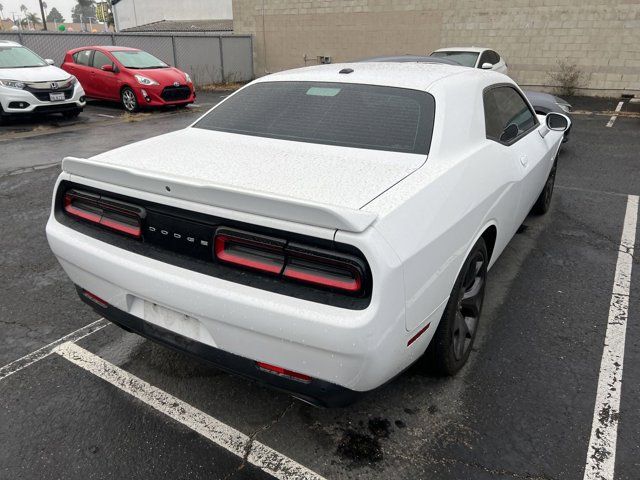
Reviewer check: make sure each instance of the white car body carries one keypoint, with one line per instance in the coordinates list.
(38, 82)
(484, 56)
(413, 217)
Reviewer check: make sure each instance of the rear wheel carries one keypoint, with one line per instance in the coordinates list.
(544, 200)
(129, 100)
(453, 340)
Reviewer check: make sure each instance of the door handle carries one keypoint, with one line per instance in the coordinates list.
(523, 160)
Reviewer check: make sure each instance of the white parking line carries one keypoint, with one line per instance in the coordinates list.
(615, 115)
(236, 442)
(601, 456)
(47, 350)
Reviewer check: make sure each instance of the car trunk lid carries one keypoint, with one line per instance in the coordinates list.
(308, 183)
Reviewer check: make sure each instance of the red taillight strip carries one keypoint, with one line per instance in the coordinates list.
(221, 252)
(417, 335)
(106, 206)
(92, 217)
(294, 261)
(283, 372)
(351, 285)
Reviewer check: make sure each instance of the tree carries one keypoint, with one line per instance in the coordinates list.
(33, 18)
(1, 12)
(55, 16)
(83, 10)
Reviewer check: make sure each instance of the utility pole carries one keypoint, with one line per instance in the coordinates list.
(44, 19)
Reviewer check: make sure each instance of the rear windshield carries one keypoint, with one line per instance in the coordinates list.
(19, 57)
(349, 115)
(466, 59)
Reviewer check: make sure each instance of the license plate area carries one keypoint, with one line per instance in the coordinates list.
(177, 322)
(56, 97)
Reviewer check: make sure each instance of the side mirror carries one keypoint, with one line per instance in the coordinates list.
(509, 133)
(107, 68)
(557, 122)
(49, 61)
(487, 66)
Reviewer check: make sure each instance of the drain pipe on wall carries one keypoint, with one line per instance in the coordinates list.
(264, 43)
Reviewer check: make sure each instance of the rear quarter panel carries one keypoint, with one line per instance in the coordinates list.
(433, 217)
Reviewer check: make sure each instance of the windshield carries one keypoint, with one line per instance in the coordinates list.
(138, 59)
(466, 59)
(19, 57)
(349, 115)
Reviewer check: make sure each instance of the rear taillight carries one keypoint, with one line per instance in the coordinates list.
(324, 268)
(107, 212)
(283, 372)
(293, 261)
(257, 252)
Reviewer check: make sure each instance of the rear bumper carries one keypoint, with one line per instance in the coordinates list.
(316, 392)
(357, 350)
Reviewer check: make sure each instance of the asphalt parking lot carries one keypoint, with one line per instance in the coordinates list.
(81, 398)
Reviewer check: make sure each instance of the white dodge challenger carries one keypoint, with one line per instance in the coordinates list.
(319, 230)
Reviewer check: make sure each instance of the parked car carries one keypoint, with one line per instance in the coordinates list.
(320, 229)
(30, 85)
(133, 77)
(542, 103)
(476, 57)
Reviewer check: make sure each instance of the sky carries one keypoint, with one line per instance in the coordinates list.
(63, 6)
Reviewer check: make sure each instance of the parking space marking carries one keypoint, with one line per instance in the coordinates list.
(234, 441)
(601, 455)
(615, 115)
(105, 115)
(36, 356)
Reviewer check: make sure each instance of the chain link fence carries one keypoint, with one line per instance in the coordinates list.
(207, 58)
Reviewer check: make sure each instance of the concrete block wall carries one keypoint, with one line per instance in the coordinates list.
(602, 37)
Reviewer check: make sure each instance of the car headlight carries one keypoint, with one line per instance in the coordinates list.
(17, 84)
(73, 80)
(145, 80)
(187, 77)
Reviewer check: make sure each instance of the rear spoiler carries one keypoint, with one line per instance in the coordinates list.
(258, 203)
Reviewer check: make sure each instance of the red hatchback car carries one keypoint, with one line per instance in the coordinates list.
(131, 76)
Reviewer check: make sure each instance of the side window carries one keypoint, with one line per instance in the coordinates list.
(484, 58)
(507, 116)
(100, 59)
(83, 57)
(492, 57)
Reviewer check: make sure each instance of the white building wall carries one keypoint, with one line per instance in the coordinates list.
(133, 13)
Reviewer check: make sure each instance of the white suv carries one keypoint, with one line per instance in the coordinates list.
(31, 85)
(476, 57)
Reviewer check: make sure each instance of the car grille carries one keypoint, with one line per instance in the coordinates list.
(56, 108)
(173, 94)
(43, 95)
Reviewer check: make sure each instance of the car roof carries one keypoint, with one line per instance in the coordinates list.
(411, 58)
(9, 43)
(462, 49)
(108, 48)
(413, 75)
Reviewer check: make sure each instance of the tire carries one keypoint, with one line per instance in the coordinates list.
(544, 200)
(71, 114)
(129, 100)
(452, 343)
